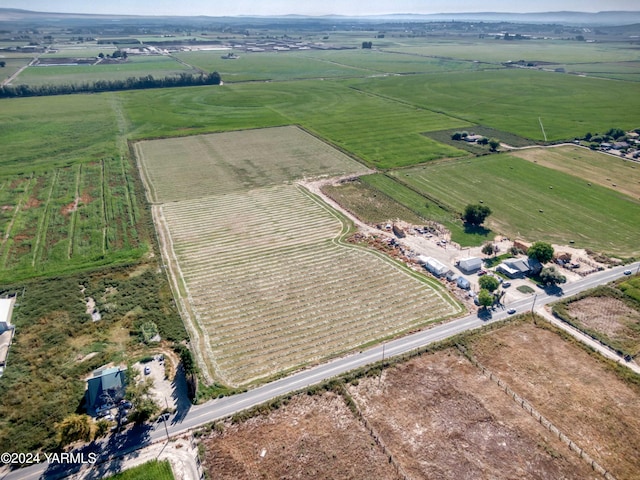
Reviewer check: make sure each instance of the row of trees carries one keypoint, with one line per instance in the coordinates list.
(131, 83)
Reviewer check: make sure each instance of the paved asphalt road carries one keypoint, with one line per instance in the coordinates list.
(195, 416)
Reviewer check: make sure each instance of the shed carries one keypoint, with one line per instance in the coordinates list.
(470, 265)
(463, 283)
(434, 266)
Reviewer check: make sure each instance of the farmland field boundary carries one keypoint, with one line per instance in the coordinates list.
(545, 422)
(180, 293)
(347, 228)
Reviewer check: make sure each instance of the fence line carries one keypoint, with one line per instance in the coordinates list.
(545, 422)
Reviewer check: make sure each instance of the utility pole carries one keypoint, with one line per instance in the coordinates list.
(381, 366)
(533, 305)
(164, 417)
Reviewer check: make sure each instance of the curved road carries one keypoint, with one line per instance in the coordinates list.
(198, 415)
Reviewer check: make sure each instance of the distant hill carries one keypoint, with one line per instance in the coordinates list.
(565, 18)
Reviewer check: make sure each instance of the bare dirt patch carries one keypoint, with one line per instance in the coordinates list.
(32, 203)
(607, 315)
(441, 418)
(311, 437)
(583, 397)
(71, 207)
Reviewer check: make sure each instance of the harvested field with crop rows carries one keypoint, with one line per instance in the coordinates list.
(203, 165)
(264, 279)
(272, 288)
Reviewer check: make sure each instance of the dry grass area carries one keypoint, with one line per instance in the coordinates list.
(581, 396)
(311, 437)
(438, 416)
(441, 418)
(595, 167)
(609, 316)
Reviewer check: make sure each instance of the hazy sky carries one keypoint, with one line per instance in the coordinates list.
(313, 7)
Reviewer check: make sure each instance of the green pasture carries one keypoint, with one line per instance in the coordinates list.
(12, 65)
(156, 66)
(620, 174)
(534, 202)
(90, 50)
(499, 51)
(380, 61)
(40, 133)
(267, 66)
(629, 70)
(319, 64)
(381, 132)
(514, 100)
(153, 469)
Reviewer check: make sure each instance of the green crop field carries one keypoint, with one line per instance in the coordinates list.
(514, 100)
(319, 64)
(67, 194)
(68, 218)
(383, 133)
(43, 133)
(79, 51)
(499, 51)
(156, 66)
(267, 66)
(534, 202)
(595, 167)
(269, 256)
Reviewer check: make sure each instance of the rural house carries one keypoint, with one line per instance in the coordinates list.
(105, 389)
(519, 267)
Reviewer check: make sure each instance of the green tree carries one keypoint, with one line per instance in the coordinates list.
(138, 393)
(2, 64)
(456, 136)
(489, 283)
(615, 133)
(551, 276)
(74, 428)
(485, 299)
(541, 251)
(101, 428)
(145, 408)
(475, 214)
(488, 249)
(494, 143)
